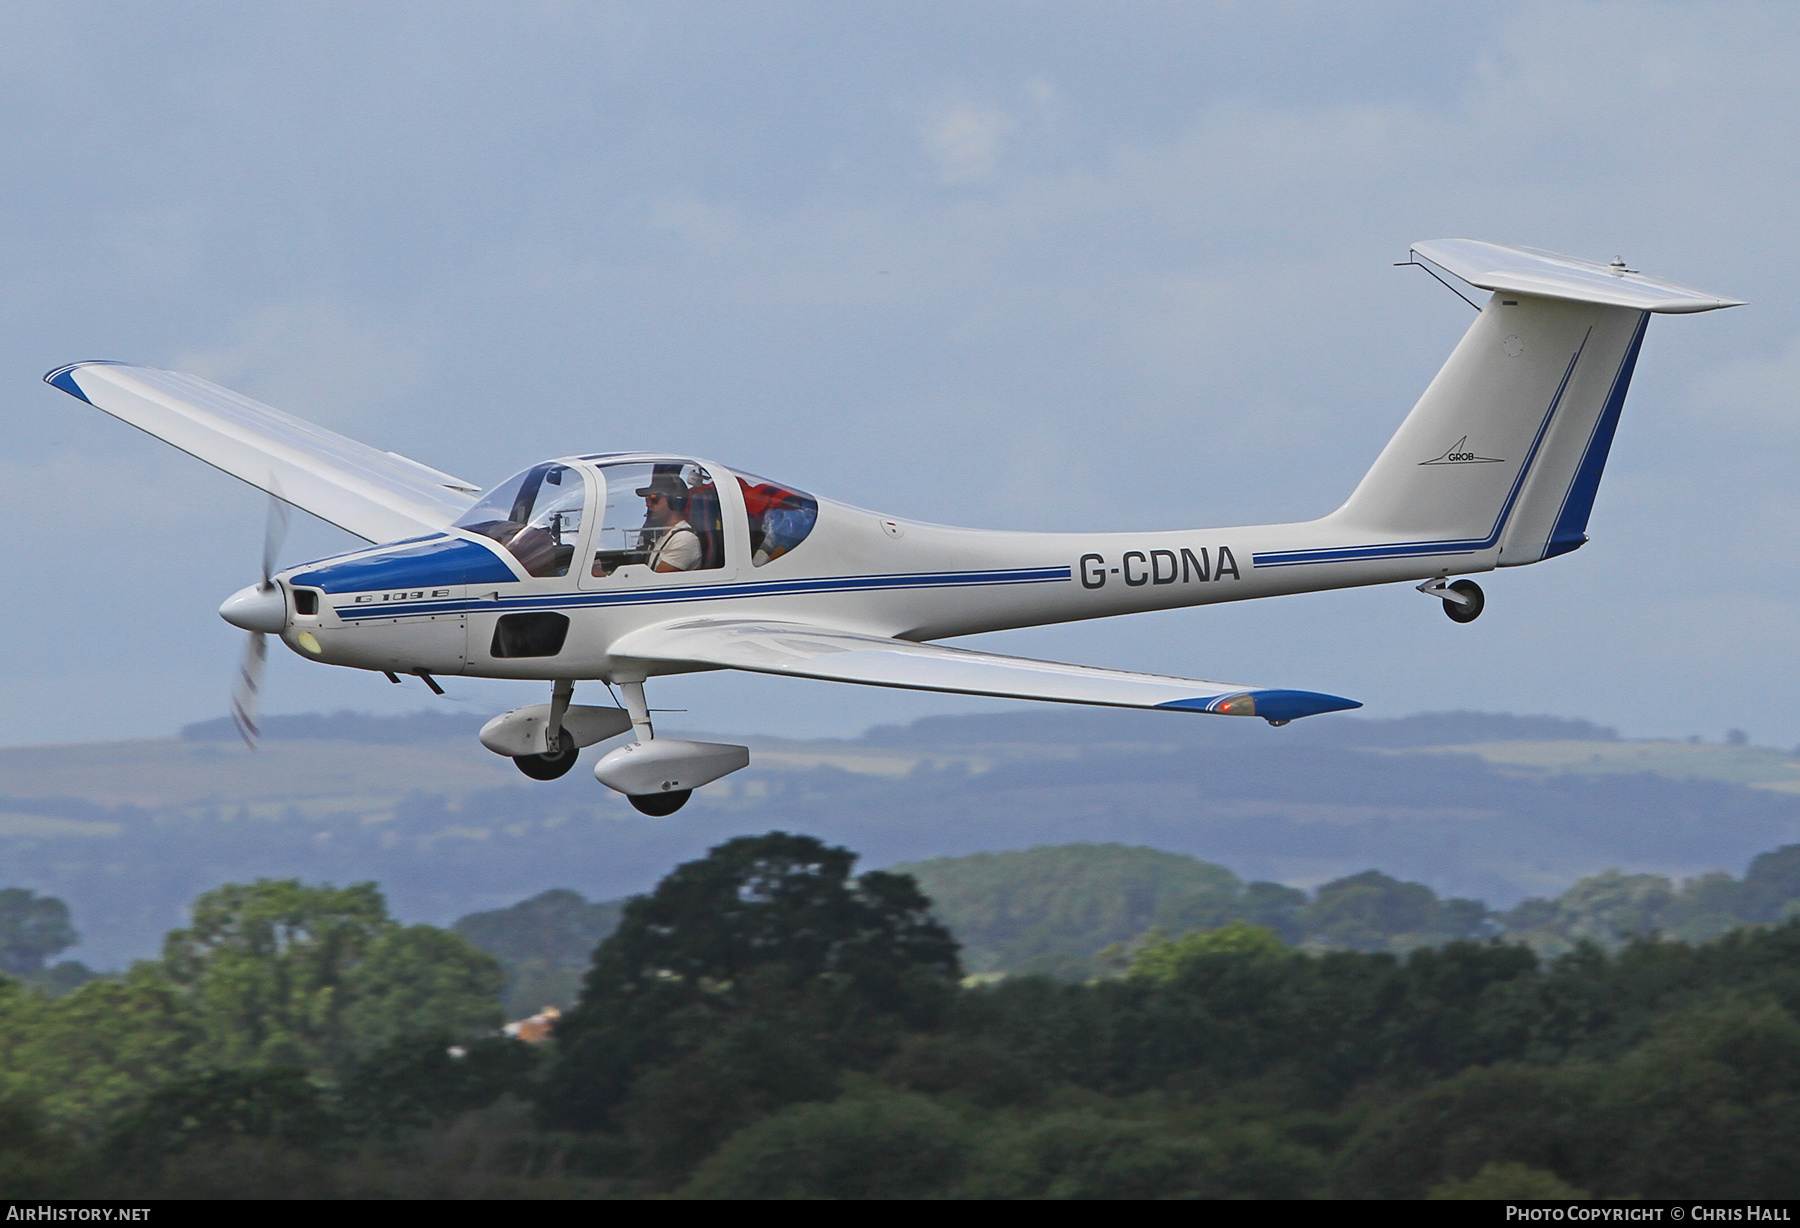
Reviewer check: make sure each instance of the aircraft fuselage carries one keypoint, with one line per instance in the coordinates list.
(436, 605)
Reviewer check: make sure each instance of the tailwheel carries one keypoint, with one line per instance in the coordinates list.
(1469, 608)
(549, 767)
(659, 804)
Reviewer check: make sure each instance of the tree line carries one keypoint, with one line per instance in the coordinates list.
(1077, 911)
(769, 1023)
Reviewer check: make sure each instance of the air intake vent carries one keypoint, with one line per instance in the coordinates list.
(529, 635)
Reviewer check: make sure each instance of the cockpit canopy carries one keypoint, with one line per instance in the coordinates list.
(780, 517)
(665, 515)
(536, 515)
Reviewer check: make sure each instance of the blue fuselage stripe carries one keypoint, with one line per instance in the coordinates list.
(707, 592)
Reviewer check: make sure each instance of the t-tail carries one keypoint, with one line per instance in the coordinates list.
(1499, 462)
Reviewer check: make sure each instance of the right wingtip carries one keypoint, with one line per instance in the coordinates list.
(64, 377)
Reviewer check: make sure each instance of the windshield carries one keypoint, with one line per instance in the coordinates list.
(536, 515)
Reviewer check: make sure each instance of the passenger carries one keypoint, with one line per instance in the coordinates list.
(676, 546)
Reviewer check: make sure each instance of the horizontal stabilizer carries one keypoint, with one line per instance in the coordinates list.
(379, 496)
(802, 651)
(1526, 270)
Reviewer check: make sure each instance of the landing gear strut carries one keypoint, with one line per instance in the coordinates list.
(1463, 600)
(658, 775)
(549, 767)
(563, 751)
(656, 805)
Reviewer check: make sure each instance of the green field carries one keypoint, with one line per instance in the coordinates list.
(316, 777)
(1757, 766)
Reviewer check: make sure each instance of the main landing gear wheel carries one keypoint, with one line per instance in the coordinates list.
(1468, 610)
(659, 804)
(549, 767)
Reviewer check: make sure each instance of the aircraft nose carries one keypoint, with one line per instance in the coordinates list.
(255, 608)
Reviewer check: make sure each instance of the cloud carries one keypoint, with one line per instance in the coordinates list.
(339, 364)
(964, 140)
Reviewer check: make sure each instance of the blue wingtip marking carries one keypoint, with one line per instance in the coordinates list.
(64, 377)
(1290, 705)
(1273, 705)
(1201, 704)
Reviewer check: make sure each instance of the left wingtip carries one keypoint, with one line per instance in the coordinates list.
(1291, 705)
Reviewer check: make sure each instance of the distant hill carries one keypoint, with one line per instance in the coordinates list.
(1074, 911)
(1048, 909)
(1072, 726)
(1056, 726)
(1054, 910)
(1496, 808)
(544, 943)
(410, 729)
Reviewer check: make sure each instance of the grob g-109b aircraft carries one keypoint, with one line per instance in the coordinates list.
(622, 567)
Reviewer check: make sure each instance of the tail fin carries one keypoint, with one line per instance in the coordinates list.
(1504, 451)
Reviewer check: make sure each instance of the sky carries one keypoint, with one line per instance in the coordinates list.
(1014, 264)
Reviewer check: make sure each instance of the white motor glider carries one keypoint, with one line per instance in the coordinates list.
(621, 567)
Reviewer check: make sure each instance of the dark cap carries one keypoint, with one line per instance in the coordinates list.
(668, 486)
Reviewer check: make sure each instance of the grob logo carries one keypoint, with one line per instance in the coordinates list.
(1458, 454)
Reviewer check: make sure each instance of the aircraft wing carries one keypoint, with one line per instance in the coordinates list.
(802, 651)
(379, 496)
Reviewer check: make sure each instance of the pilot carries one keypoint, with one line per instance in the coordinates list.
(677, 545)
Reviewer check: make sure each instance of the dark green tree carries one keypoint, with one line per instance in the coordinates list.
(1274, 907)
(1084, 1155)
(32, 928)
(975, 1071)
(767, 928)
(88, 1055)
(36, 1159)
(277, 1104)
(1708, 1106)
(677, 1115)
(1537, 1116)
(416, 1081)
(281, 973)
(890, 1146)
(1771, 882)
(1373, 911)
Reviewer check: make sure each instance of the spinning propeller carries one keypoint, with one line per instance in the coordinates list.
(260, 609)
